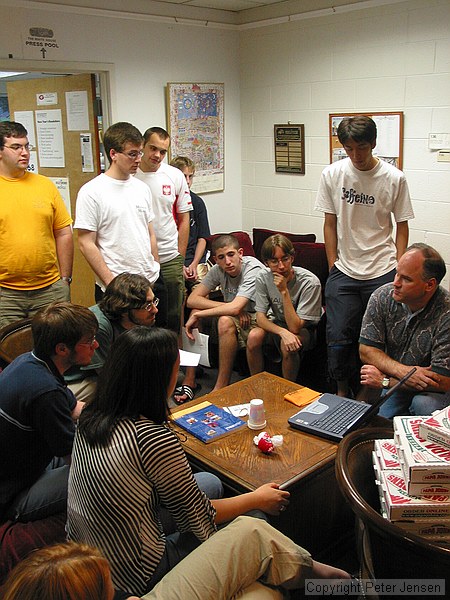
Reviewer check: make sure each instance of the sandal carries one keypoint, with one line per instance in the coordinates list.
(185, 390)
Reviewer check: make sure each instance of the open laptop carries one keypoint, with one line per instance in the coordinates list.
(332, 416)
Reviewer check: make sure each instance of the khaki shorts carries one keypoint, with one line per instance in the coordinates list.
(242, 334)
(272, 343)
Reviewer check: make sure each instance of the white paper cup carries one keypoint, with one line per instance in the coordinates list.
(257, 414)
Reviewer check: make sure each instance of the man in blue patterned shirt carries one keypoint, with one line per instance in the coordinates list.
(407, 323)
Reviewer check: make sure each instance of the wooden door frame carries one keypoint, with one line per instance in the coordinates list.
(105, 71)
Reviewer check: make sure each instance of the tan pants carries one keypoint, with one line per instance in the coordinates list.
(235, 563)
(84, 390)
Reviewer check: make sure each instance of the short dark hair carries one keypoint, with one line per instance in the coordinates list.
(359, 128)
(272, 242)
(226, 239)
(119, 134)
(433, 263)
(125, 292)
(11, 129)
(162, 133)
(181, 162)
(61, 323)
(133, 381)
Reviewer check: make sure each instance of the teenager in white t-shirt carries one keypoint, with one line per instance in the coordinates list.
(172, 205)
(359, 195)
(114, 216)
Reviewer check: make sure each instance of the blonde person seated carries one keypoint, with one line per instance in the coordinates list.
(239, 561)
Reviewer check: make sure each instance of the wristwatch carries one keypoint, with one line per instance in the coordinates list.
(68, 279)
(385, 382)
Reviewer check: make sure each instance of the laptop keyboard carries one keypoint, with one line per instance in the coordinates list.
(339, 419)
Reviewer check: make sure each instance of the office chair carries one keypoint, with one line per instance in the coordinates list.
(385, 550)
(15, 339)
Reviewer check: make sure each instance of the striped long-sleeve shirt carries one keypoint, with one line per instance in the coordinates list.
(115, 493)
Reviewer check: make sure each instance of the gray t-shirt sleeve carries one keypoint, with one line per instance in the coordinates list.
(262, 302)
(250, 271)
(213, 278)
(309, 305)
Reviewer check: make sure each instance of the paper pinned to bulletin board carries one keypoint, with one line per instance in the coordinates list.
(389, 136)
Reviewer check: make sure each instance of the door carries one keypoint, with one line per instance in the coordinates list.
(66, 145)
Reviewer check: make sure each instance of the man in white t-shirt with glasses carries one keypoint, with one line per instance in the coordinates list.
(114, 218)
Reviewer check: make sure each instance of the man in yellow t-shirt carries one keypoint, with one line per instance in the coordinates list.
(36, 243)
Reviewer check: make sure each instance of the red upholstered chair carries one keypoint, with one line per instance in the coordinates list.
(17, 540)
(244, 242)
(260, 235)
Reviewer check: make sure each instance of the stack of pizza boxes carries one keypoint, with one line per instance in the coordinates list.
(437, 428)
(413, 477)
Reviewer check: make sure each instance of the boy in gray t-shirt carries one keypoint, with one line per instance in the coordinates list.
(292, 296)
(235, 274)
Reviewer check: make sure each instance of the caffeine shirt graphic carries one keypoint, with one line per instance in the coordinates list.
(352, 197)
(364, 203)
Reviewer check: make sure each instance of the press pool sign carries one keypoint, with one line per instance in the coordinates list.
(40, 42)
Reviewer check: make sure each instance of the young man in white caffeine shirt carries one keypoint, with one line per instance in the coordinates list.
(360, 196)
(172, 205)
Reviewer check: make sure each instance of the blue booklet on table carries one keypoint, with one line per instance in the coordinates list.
(207, 422)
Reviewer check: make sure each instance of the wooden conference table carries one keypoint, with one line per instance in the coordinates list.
(304, 465)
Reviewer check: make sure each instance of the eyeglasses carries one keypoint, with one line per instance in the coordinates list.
(134, 154)
(149, 305)
(89, 343)
(273, 262)
(19, 147)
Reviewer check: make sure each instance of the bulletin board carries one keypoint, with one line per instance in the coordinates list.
(389, 136)
(196, 127)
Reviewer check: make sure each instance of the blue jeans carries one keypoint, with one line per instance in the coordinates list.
(47, 496)
(413, 403)
(346, 301)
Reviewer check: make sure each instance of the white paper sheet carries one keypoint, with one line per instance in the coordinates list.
(238, 410)
(189, 359)
(50, 138)
(77, 110)
(199, 345)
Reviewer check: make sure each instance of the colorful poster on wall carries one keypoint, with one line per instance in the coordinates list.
(196, 127)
